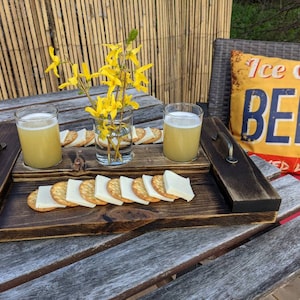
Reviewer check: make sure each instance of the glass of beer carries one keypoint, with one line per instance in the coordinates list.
(182, 130)
(39, 135)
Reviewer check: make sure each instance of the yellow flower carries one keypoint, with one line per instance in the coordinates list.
(86, 73)
(100, 109)
(131, 54)
(55, 62)
(114, 106)
(72, 80)
(129, 102)
(140, 78)
(113, 56)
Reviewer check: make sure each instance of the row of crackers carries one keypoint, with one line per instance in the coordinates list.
(104, 190)
(84, 137)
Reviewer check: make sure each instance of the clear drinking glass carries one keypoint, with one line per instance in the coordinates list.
(39, 135)
(182, 130)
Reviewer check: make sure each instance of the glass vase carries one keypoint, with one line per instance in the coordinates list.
(113, 139)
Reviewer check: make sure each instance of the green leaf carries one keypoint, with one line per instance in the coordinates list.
(132, 36)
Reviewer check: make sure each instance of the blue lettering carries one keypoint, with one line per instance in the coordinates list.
(275, 115)
(297, 137)
(253, 115)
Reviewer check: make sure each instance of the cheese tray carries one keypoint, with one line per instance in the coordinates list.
(212, 180)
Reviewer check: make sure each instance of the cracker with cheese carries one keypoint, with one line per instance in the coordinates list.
(127, 192)
(101, 190)
(31, 202)
(59, 191)
(157, 135)
(178, 185)
(159, 186)
(69, 138)
(114, 188)
(139, 189)
(87, 192)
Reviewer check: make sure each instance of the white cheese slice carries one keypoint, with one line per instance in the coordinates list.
(133, 133)
(114, 141)
(178, 185)
(62, 135)
(127, 192)
(161, 139)
(148, 136)
(81, 138)
(73, 194)
(91, 142)
(147, 179)
(44, 198)
(101, 190)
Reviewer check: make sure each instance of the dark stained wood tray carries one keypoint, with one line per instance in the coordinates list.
(214, 203)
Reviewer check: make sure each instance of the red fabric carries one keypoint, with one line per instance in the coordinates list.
(297, 214)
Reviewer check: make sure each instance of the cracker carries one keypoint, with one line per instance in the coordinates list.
(104, 143)
(31, 201)
(71, 136)
(140, 133)
(158, 185)
(157, 135)
(113, 187)
(87, 192)
(59, 191)
(89, 137)
(139, 189)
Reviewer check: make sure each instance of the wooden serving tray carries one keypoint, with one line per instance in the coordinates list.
(213, 204)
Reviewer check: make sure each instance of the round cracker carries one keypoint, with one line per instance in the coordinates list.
(89, 136)
(59, 191)
(87, 192)
(139, 189)
(31, 201)
(114, 188)
(157, 135)
(158, 184)
(71, 136)
(104, 143)
(140, 133)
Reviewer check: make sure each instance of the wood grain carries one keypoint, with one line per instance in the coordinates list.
(245, 186)
(244, 273)
(8, 156)
(43, 266)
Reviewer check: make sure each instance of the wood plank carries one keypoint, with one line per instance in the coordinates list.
(153, 163)
(246, 272)
(209, 207)
(8, 156)
(113, 273)
(245, 186)
(18, 221)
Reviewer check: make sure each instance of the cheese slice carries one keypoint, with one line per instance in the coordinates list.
(133, 133)
(161, 139)
(73, 194)
(148, 136)
(62, 135)
(178, 185)
(127, 192)
(80, 140)
(114, 141)
(147, 180)
(44, 198)
(101, 190)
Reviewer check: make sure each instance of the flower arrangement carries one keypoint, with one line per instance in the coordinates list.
(122, 70)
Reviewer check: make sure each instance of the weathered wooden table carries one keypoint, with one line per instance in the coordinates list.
(200, 262)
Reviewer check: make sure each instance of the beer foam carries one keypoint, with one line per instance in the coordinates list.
(182, 119)
(37, 121)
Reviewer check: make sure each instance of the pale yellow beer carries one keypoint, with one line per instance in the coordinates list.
(182, 130)
(39, 138)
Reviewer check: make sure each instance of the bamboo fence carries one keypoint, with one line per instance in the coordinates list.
(176, 35)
